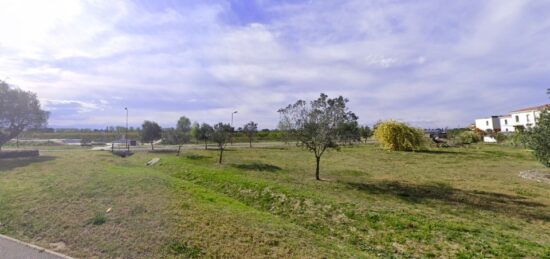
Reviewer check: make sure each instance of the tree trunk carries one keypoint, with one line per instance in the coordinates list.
(221, 155)
(152, 146)
(179, 150)
(318, 159)
(205, 144)
(250, 140)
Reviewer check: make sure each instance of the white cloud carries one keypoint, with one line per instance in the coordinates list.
(429, 63)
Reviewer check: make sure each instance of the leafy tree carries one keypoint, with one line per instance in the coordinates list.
(151, 132)
(538, 138)
(286, 125)
(349, 132)
(250, 129)
(317, 123)
(19, 110)
(204, 133)
(220, 135)
(182, 132)
(397, 136)
(365, 132)
(194, 133)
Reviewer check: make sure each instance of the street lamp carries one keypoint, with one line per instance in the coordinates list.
(232, 117)
(126, 134)
(231, 137)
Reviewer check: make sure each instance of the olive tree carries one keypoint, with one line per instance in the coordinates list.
(182, 132)
(204, 133)
(365, 132)
(221, 135)
(19, 110)
(250, 129)
(349, 132)
(317, 123)
(150, 132)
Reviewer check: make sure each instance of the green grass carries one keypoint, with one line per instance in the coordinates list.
(264, 202)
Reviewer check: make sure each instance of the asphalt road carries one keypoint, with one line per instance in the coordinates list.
(14, 249)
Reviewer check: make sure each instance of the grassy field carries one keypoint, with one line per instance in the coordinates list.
(264, 202)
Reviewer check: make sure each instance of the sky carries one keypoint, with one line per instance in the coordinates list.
(428, 63)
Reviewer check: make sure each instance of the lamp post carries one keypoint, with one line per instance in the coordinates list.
(232, 117)
(231, 138)
(126, 133)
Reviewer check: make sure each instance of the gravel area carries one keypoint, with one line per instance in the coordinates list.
(535, 176)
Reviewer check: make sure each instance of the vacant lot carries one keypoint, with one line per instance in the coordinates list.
(465, 202)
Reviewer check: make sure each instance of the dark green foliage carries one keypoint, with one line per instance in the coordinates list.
(317, 126)
(178, 248)
(349, 132)
(221, 135)
(99, 219)
(151, 132)
(19, 110)
(365, 132)
(538, 138)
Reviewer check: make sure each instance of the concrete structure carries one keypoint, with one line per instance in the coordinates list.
(526, 118)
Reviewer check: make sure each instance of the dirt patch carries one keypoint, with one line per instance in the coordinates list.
(535, 176)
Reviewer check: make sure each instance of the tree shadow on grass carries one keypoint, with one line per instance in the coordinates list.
(196, 157)
(441, 152)
(12, 163)
(258, 167)
(511, 205)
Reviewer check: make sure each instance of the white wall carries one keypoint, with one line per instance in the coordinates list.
(492, 123)
(526, 119)
(506, 124)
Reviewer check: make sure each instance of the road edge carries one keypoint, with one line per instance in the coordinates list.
(35, 247)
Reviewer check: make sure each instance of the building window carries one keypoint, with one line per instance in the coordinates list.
(505, 122)
(487, 123)
(528, 120)
(517, 118)
(506, 129)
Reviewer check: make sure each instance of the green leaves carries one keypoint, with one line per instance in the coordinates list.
(538, 138)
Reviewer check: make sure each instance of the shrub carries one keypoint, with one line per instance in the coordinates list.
(397, 136)
(501, 137)
(468, 137)
(538, 138)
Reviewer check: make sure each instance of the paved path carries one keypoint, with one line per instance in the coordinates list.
(14, 249)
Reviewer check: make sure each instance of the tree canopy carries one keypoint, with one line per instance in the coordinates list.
(221, 135)
(538, 138)
(150, 132)
(316, 124)
(204, 133)
(19, 110)
(250, 129)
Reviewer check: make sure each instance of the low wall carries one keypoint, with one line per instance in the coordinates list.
(19, 153)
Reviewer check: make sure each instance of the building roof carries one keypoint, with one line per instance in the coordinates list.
(534, 108)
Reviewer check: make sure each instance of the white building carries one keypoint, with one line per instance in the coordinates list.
(492, 123)
(525, 118)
